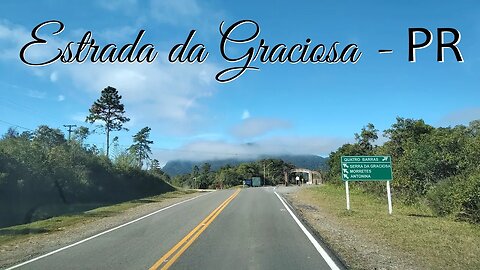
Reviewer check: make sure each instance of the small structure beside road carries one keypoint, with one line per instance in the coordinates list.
(309, 177)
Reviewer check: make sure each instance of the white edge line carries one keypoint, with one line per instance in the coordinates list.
(102, 233)
(310, 237)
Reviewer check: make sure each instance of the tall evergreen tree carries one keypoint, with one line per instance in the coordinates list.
(141, 146)
(109, 110)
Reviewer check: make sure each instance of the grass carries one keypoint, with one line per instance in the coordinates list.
(59, 223)
(439, 243)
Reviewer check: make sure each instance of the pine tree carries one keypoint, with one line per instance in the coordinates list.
(110, 111)
(141, 145)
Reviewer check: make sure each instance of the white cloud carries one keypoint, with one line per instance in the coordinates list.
(126, 6)
(216, 149)
(459, 117)
(14, 37)
(175, 11)
(11, 39)
(252, 127)
(190, 14)
(60, 98)
(114, 35)
(245, 114)
(161, 94)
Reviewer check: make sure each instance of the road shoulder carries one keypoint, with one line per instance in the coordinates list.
(355, 250)
(36, 243)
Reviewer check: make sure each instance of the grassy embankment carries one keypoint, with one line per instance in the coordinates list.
(437, 242)
(58, 223)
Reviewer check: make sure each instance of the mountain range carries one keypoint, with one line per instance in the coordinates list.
(177, 167)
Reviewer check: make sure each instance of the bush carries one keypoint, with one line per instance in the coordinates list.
(471, 207)
(51, 173)
(459, 196)
(441, 198)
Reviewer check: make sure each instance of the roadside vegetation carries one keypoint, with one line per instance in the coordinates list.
(414, 236)
(271, 171)
(437, 167)
(44, 174)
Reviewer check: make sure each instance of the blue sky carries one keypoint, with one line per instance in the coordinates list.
(283, 108)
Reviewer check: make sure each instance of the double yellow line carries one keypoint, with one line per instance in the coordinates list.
(173, 254)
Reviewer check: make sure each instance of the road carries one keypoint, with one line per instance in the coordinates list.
(231, 229)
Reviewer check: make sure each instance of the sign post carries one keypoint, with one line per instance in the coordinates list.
(367, 168)
(348, 195)
(389, 196)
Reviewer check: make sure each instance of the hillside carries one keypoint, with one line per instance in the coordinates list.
(177, 167)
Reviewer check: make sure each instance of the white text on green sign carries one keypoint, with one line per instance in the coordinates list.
(366, 168)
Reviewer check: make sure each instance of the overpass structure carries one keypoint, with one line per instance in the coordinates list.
(313, 178)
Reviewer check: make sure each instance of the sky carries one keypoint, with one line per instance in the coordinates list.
(278, 109)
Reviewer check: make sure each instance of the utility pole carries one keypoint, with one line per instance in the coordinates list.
(69, 130)
(264, 173)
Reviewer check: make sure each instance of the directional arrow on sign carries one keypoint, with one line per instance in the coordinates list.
(377, 168)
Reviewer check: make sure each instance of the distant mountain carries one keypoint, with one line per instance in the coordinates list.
(176, 167)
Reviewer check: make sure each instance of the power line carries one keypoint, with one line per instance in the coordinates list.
(69, 126)
(15, 125)
(179, 150)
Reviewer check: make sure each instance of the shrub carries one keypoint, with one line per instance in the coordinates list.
(50, 173)
(458, 195)
(471, 206)
(441, 198)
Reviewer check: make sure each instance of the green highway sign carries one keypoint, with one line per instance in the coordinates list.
(366, 168)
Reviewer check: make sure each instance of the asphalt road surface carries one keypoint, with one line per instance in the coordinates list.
(233, 229)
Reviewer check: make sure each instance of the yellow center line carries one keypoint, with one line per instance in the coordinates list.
(185, 239)
(183, 244)
(183, 248)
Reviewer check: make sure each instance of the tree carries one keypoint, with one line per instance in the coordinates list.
(206, 167)
(155, 165)
(194, 177)
(334, 171)
(125, 160)
(11, 133)
(141, 147)
(247, 170)
(205, 177)
(80, 134)
(366, 137)
(474, 127)
(109, 110)
(156, 170)
(49, 137)
(274, 170)
(227, 177)
(404, 131)
(195, 171)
